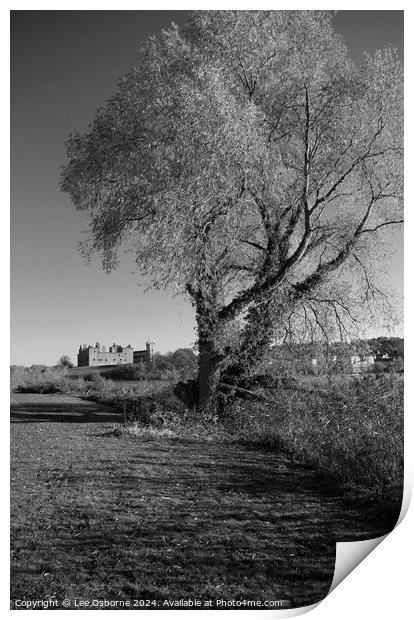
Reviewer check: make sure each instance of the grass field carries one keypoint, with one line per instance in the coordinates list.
(155, 518)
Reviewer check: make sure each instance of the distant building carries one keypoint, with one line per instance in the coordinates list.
(357, 362)
(362, 362)
(115, 355)
(145, 355)
(384, 358)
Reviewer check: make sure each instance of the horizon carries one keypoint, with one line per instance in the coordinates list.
(64, 65)
(315, 343)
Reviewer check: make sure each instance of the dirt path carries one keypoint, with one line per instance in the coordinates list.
(99, 516)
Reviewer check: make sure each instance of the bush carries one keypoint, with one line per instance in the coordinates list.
(181, 365)
(41, 379)
(129, 372)
(39, 388)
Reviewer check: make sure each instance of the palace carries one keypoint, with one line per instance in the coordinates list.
(114, 355)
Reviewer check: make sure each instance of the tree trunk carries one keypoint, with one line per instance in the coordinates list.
(235, 365)
(208, 374)
(206, 302)
(257, 336)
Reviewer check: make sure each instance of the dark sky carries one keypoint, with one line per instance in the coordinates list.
(64, 65)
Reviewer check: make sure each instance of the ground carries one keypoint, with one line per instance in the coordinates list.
(95, 515)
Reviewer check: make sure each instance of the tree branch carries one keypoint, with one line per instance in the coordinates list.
(253, 244)
(381, 225)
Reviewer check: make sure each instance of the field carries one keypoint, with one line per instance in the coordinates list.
(153, 516)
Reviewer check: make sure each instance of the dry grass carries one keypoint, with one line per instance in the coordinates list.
(156, 517)
(351, 428)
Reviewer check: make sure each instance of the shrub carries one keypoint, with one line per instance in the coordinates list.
(36, 378)
(129, 372)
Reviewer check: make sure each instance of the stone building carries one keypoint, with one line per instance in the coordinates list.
(144, 356)
(357, 363)
(362, 362)
(114, 355)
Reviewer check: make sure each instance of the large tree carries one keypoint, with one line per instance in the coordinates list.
(250, 165)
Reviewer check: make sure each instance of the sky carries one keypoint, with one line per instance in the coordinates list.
(64, 65)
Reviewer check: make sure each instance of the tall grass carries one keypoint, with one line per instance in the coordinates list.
(352, 429)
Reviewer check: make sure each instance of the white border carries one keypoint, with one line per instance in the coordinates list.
(380, 586)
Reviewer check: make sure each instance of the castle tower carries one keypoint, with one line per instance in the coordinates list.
(150, 351)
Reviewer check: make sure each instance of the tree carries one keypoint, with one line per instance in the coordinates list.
(65, 362)
(181, 363)
(185, 361)
(249, 164)
(393, 347)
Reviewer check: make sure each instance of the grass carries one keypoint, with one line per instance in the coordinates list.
(156, 516)
(350, 427)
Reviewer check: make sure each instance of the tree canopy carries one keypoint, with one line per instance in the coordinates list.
(247, 163)
(65, 362)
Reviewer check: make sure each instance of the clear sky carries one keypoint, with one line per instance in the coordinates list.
(64, 65)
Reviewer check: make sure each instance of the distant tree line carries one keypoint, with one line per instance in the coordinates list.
(335, 357)
(283, 360)
(394, 347)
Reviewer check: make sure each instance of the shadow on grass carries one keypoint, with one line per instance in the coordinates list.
(168, 517)
(79, 412)
(182, 518)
